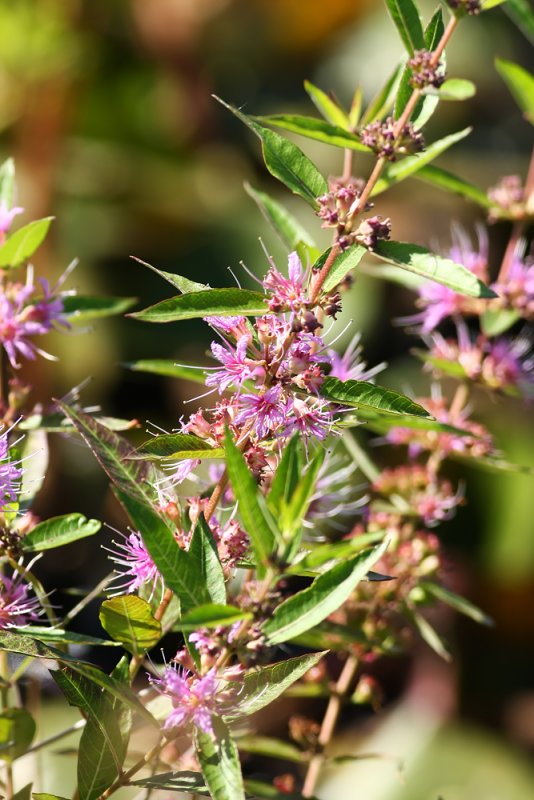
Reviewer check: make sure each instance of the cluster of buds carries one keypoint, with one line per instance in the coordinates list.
(371, 230)
(337, 211)
(501, 364)
(385, 142)
(425, 72)
(472, 7)
(431, 499)
(510, 200)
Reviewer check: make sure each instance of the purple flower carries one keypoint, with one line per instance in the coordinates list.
(287, 293)
(267, 411)
(233, 326)
(135, 564)
(194, 699)
(7, 215)
(350, 365)
(10, 475)
(517, 289)
(235, 369)
(17, 608)
(309, 419)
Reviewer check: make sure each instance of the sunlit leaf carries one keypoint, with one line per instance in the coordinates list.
(175, 446)
(452, 183)
(183, 285)
(408, 23)
(327, 106)
(57, 531)
(520, 82)
(219, 761)
(364, 395)
(22, 244)
(129, 619)
(208, 303)
(313, 128)
(211, 616)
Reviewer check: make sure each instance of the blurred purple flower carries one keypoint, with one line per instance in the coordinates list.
(17, 608)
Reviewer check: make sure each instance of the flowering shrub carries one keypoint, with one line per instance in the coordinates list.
(253, 553)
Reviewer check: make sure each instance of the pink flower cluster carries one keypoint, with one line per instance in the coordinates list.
(10, 474)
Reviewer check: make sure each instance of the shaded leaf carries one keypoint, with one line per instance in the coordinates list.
(57, 531)
(17, 729)
(522, 14)
(455, 601)
(520, 82)
(311, 606)
(203, 553)
(129, 619)
(186, 781)
(285, 477)
(208, 303)
(61, 636)
(286, 161)
(452, 183)
(346, 261)
(270, 747)
(22, 244)
(81, 308)
(211, 616)
(430, 636)
(496, 321)
(454, 89)
(418, 259)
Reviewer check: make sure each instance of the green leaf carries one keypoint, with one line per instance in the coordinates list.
(58, 531)
(289, 229)
(46, 796)
(34, 451)
(430, 636)
(208, 303)
(184, 285)
(61, 636)
(160, 366)
(23, 794)
(452, 183)
(263, 685)
(496, 321)
(180, 571)
(364, 395)
(346, 261)
(173, 446)
(522, 14)
(520, 83)
(219, 761)
(204, 555)
(453, 89)
(186, 781)
(251, 506)
(317, 129)
(286, 476)
(81, 308)
(129, 619)
(355, 109)
(327, 106)
(455, 601)
(17, 729)
(489, 4)
(400, 170)
(408, 23)
(114, 455)
(27, 646)
(286, 161)
(323, 556)
(7, 183)
(211, 615)
(270, 747)
(418, 259)
(384, 99)
(311, 606)
(293, 511)
(22, 244)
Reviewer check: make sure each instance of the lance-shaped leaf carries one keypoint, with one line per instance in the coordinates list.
(262, 686)
(522, 13)
(289, 229)
(384, 99)
(453, 89)
(400, 170)
(27, 646)
(328, 107)
(444, 179)
(293, 510)
(364, 395)
(129, 619)
(161, 366)
(256, 517)
(520, 82)
(327, 592)
(313, 128)
(286, 161)
(270, 747)
(180, 571)
(46, 796)
(17, 729)
(429, 635)
(323, 556)
(208, 303)
(203, 553)
(455, 601)
(81, 308)
(286, 476)
(58, 531)
(115, 456)
(211, 616)
(183, 285)
(186, 781)
(174, 446)
(408, 23)
(496, 321)
(429, 265)
(22, 244)
(346, 261)
(219, 761)
(61, 636)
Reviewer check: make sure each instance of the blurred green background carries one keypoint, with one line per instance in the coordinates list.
(106, 107)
